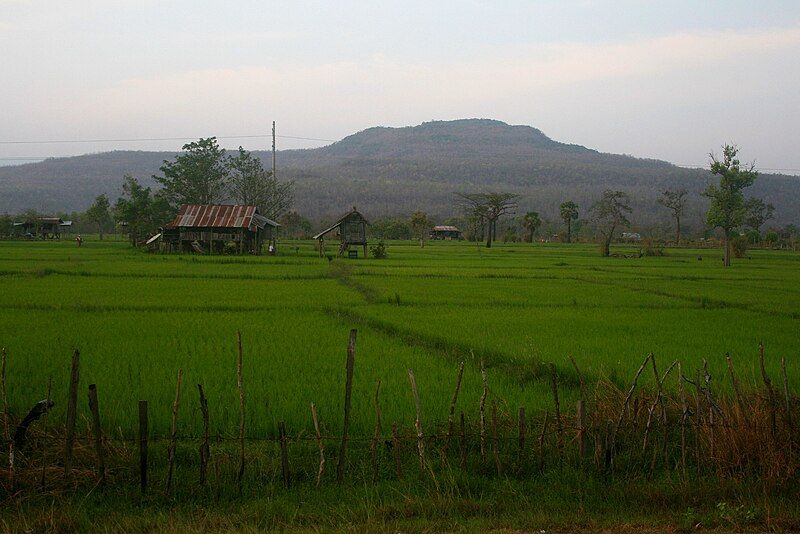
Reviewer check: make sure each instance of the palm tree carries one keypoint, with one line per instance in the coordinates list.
(531, 221)
(569, 212)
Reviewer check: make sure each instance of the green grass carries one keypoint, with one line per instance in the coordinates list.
(137, 318)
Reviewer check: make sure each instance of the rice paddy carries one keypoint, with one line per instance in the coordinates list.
(137, 318)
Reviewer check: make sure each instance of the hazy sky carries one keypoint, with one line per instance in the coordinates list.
(664, 79)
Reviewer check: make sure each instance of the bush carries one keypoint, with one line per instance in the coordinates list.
(739, 246)
(378, 251)
(771, 238)
(651, 248)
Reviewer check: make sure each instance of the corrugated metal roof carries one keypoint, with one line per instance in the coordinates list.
(445, 229)
(219, 216)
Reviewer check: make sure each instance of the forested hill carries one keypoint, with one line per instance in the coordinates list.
(388, 171)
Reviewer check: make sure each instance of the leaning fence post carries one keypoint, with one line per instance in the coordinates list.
(742, 411)
(72, 411)
(173, 439)
(348, 390)
(287, 479)
(541, 441)
(453, 401)
(684, 415)
(610, 450)
(463, 431)
(321, 446)
(98, 436)
(143, 445)
(205, 450)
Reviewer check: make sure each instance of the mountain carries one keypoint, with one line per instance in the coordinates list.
(386, 171)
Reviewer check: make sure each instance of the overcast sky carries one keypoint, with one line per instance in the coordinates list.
(664, 79)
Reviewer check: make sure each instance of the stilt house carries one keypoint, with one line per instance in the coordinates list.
(351, 229)
(208, 228)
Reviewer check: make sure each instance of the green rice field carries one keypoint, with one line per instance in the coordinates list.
(138, 318)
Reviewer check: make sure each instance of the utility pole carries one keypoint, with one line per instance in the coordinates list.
(273, 150)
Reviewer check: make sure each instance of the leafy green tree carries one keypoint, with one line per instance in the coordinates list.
(142, 211)
(6, 224)
(99, 214)
(420, 225)
(675, 201)
(758, 213)
(487, 208)
(569, 213)
(727, 210)
(196, 176)
(250, 184)
(610, 213)
(390, 228)
(295, 225)
(531, 222)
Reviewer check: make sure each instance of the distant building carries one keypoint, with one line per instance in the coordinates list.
(631, 236)
(209, 228)
(351, 229)
(39, 228)
(445, 232)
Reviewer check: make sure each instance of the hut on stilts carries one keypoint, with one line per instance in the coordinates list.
(351, 230)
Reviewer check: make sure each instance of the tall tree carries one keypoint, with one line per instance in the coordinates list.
(675, 201)
(488, 208)
(196, 176)
(420, 225)
(99, 213)
(727, 210)
(610, 213)
(531, 222)
(250, 184)
(142, 211)
(758, 213)
(569, 213)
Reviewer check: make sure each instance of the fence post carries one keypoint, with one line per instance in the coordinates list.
(6, 429)
(348, 390)
(541, 441)
(398, 463)
(788, 398)
(98, 436)
(496, 440)
(240, 385)
(143, 445)
(418, 420)
(205, 450)
(559, 422)
(581, 413)
(770, 392)
(463, 431)
(377, 435)
(173, 439)
(72, 412)
(287, 479)
(453, 401)
(522, 429)
(482, 410)
(319, 443)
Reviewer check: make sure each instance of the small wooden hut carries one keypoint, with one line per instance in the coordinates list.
(351, 230)
(445, 232)
(40, 227)
(208, 228)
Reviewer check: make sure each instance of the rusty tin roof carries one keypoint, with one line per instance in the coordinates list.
(219, 216)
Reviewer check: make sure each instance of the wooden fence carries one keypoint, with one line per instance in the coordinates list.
(682, 430)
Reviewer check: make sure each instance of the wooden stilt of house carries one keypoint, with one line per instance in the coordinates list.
(351, 230)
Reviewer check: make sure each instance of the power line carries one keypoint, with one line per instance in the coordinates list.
(141, 139)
